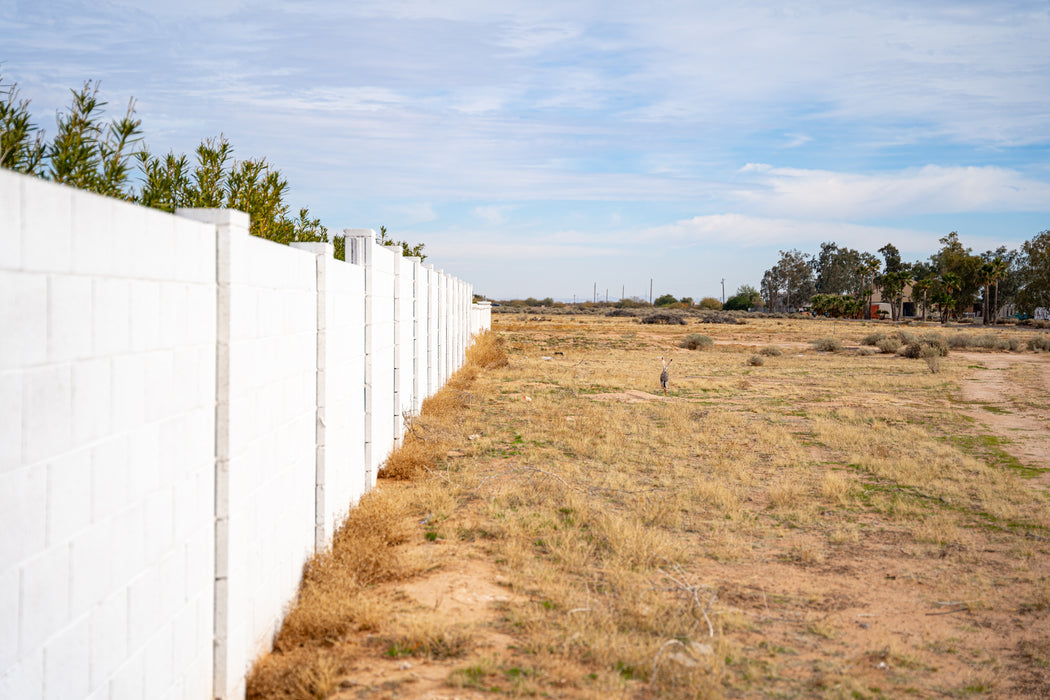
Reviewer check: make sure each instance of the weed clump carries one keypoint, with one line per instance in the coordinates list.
(756, 361)
(720, 317)
(888, 345)
(827, 345)
(695, 341)
(664, 317)
(1040, 343)
(771, 351)
(926, 346)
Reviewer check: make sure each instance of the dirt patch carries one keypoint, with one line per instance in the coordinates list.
(1008, 394)
(630, 396)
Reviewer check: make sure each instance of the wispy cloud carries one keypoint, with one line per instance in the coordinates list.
(822, 194)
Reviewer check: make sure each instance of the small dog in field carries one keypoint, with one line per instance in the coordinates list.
(665, 376)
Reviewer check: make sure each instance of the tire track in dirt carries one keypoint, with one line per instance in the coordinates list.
(1014, 408)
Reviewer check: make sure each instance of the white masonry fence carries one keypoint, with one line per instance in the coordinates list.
(187, 412)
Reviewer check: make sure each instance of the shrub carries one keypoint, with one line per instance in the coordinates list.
(959, 340)
(695, 341)
(620, 312)
(888, 345)
(771, 351)
(756, 361)
(719, 317)
(1039, 343)
(917, 348)
(827, 345)
(873, 338)
(865, 350)
(663, 317)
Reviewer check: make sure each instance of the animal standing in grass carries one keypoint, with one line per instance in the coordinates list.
(665, 376)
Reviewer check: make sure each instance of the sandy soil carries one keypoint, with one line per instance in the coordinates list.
(885, 598)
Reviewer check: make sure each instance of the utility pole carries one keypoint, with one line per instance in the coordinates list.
(723, 290)
(606, 295)
(595, 292)
(623, 290)
(650, 290)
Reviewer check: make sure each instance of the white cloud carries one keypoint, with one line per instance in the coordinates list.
(743, 231)
(492, 214)
(931, 189)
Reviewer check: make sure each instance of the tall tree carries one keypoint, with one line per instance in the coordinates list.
(1034, 274)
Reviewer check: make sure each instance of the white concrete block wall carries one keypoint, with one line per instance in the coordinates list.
(406, 384)
(163, 471)
(272, 399)
(346, 478)
(107, 320)
(382, 357)
(421, 310)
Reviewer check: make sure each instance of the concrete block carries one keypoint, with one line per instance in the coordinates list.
(23, 316)
(129, 681)
(46, 226)
(25, 679)
(68, 496)
(128, 544)
(10, 420)
(68, 318)
(92, 241)
(157, 528)
(160, 381)
(145, 316)
(23, 494)
(144, 608)
(129, 391)
(66, 665)
(159, 658)
(45, 597)
(143, 462)
(10, 601)
(109, 637)
(11, 221)
(172, 314)
(92, 562)
(91, 406)
(111, 316)
(109, 478)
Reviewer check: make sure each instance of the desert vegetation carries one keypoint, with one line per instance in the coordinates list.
(815, 524)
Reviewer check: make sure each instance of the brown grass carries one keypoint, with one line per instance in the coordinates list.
(780, 531)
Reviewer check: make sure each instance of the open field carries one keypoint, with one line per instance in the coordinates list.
(785, 522)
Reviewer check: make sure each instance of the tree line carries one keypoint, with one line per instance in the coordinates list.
(840, 281)
(109, 158)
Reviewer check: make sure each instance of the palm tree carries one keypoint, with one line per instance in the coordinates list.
(999, 269)
(984, 276)
(923, 286)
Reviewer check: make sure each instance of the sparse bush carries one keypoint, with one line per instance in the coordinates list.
(719, 317)
(663, 317)
(873, 338)
(917, 348)
(888, 345)
(865, 351)
(1039, 343)
(771, 351)
(827, 345)
(959, 340)
(932, 356)
(695, 341)
(756, 361)
(620, 312)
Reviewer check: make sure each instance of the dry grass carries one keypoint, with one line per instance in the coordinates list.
(687, 546)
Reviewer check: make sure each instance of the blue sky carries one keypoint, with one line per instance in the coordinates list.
(540, 148)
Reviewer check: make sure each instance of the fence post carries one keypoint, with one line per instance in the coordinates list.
(323, 252)
(359, 242)
(228, 224)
